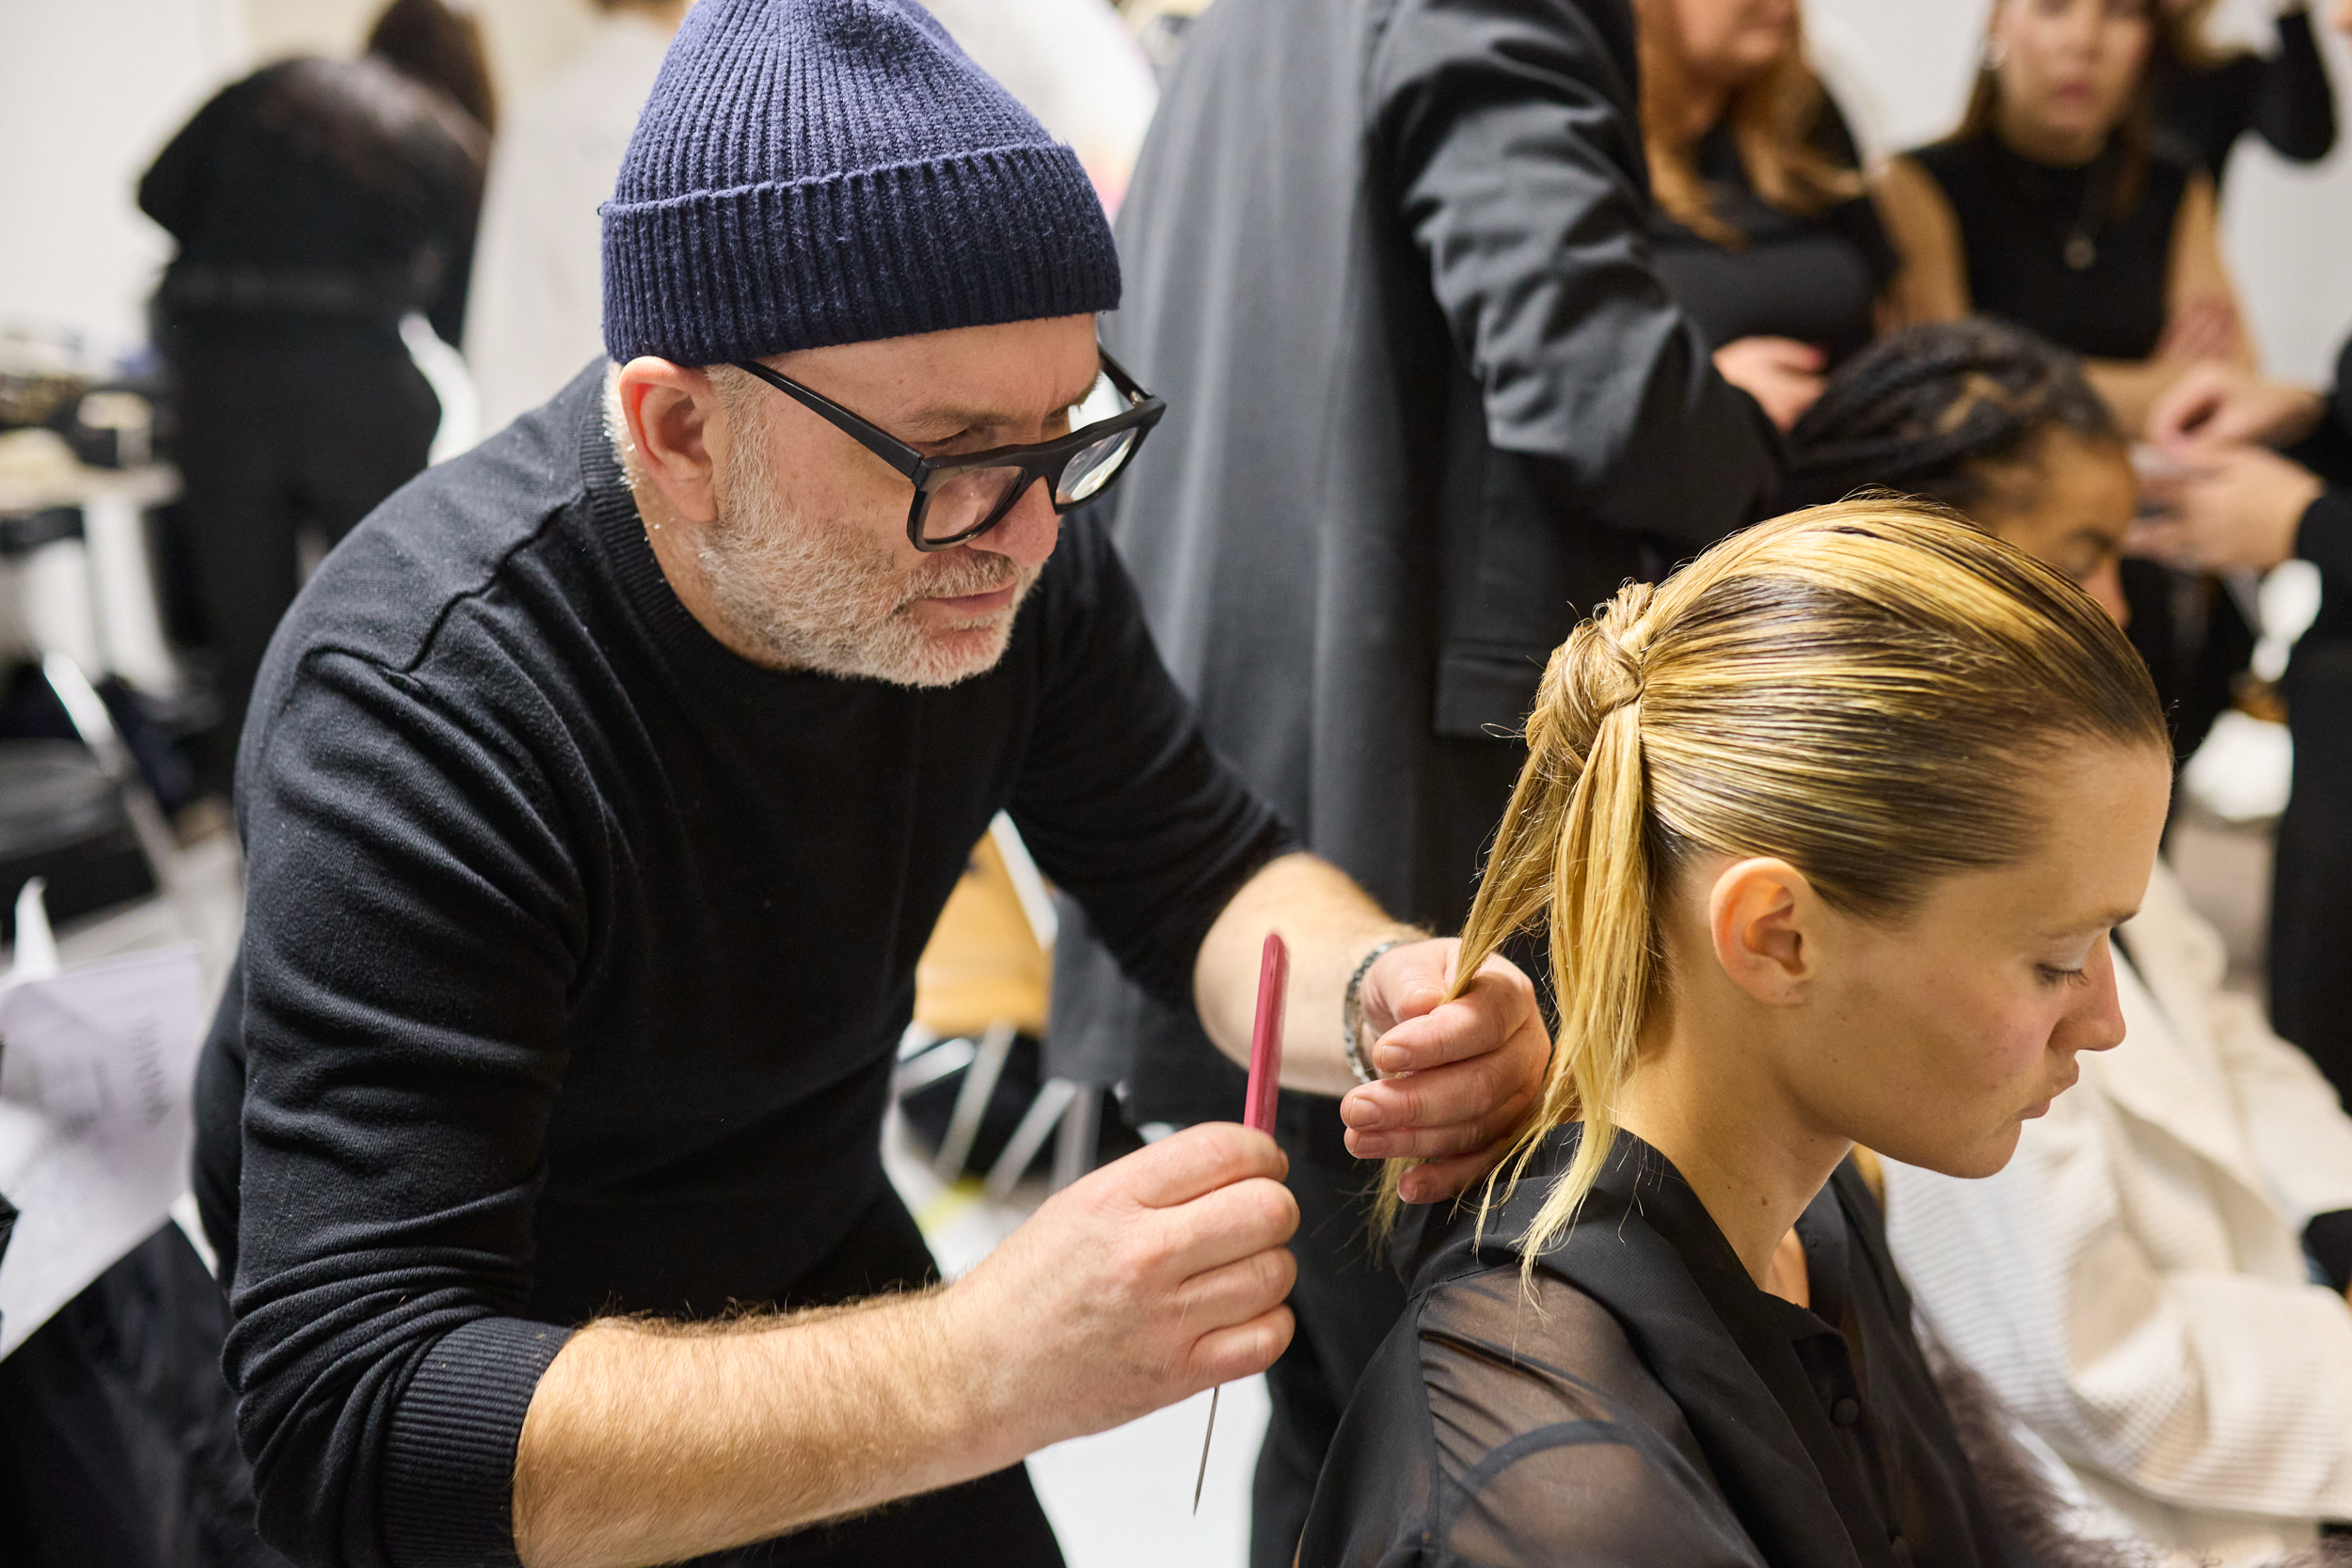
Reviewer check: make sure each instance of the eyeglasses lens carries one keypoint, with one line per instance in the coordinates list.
(1094, 467)
(965, 500)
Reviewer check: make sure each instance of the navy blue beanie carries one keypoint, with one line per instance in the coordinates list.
(829, 171)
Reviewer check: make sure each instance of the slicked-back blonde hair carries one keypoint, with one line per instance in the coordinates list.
(1863, 690)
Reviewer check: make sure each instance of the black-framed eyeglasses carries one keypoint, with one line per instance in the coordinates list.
(961, 497)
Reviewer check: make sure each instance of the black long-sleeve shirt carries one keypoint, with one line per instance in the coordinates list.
(1642, 1401)
(2286, 96)
(577, 949)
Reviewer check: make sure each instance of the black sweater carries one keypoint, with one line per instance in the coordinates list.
(577, 949)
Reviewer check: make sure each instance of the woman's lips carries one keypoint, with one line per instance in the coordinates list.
(2042, 1107)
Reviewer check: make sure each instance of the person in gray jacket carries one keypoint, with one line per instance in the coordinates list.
(1428, 402)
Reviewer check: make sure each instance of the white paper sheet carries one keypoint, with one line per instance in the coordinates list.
(96, 1068)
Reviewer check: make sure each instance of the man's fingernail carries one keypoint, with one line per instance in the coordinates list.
(1391, 1058)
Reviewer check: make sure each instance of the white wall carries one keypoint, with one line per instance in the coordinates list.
(1902, 69)
(91, 89)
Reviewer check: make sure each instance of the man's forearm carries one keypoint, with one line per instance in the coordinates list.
(651, 1442)
(1148, 1280)
(1329, 923)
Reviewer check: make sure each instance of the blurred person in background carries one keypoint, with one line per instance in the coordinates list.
(2242, 506)
(316, 202)
(2133, 1285)
(428, 41)
(536, 313)
(1428, 394)
(1762, 228)
(2056, 206)
(2209, 97)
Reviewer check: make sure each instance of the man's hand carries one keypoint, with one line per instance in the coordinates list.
(1152, 1279)
(1155, 1277)
(1465, 1072)
(2236, 509)
(2214, 406)
(1781, 373)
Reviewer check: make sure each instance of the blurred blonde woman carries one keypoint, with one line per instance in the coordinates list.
(2056, 206)
(1828, 832)
(1762, 230)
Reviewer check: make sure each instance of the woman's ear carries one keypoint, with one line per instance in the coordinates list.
(668, 411)
(1765, 921)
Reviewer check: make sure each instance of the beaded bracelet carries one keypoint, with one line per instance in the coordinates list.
(1352, 1014)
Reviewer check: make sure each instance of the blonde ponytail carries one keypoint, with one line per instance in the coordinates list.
(1856, 689)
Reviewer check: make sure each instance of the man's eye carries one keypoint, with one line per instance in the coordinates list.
(2053, 975)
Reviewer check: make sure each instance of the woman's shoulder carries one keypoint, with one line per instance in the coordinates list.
(1953, 162)
(1503, 1424)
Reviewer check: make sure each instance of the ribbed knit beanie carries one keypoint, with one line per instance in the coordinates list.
(811, 172)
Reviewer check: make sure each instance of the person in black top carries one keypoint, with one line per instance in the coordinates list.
(599, 795)
(1826, 834)
(315, 203)
(2206, 98)
(1428, 393)
(2242, 506)
(2056, 206)
(1762, 228)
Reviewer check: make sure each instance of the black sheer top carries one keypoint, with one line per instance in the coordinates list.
(1651, 1405)
(1815, 278)
(2017, 219)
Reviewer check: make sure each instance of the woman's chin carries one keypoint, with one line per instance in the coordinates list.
(1971, 1162)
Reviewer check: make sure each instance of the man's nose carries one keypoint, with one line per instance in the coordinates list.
(1027, 534)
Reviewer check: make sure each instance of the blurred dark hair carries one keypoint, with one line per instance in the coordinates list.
(1929, 410)
(426, 42)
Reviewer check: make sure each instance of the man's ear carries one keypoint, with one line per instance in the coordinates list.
(1765, 920)
(670, 411)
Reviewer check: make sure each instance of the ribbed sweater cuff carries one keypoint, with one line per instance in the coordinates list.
(2323, 537)
(449, 1456)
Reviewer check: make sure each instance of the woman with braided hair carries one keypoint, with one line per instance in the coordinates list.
(1988, 420)
(2003, 425)
(1828, 832)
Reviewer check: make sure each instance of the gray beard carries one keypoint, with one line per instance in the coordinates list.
(809, 597)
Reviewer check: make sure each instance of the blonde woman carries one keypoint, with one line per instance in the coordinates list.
(2056, 206)
(1761, 230)
(2132, 1283)
(1829, 833)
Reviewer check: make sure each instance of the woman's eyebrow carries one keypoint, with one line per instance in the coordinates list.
(2104, 921)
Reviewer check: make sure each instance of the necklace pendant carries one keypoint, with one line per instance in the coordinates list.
(2080, 252)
